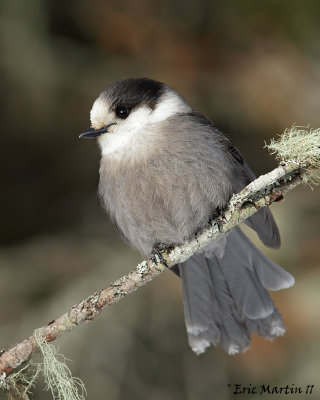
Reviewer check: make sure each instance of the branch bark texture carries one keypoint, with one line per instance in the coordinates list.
(262, 192)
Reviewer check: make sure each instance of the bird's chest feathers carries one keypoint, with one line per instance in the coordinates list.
(115, 146)
(128, 146)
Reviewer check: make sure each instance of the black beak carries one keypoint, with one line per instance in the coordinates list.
(93, 133)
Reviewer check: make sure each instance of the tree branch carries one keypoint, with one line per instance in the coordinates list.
(298, 145)
(262, 192)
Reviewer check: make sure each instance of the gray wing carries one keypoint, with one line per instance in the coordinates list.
(265, 226)
(262, 222)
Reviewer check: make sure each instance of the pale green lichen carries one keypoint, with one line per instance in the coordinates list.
(300, 144)
(58, 377)
(19, 384)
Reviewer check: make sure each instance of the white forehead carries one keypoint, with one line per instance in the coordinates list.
(99, 112)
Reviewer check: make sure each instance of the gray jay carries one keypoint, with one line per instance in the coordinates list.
(165, 172)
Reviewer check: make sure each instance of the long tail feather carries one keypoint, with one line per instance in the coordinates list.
(225, 296)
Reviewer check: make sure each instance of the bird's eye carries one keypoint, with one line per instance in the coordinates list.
(122, 112)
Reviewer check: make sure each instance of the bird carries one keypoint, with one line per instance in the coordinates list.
(165, 172)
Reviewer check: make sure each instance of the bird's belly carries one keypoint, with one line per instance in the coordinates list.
(148, 215)
(154, 205)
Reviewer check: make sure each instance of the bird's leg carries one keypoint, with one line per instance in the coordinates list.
(217, 217)
(156, 254)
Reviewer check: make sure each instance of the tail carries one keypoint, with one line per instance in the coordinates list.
(225, 295)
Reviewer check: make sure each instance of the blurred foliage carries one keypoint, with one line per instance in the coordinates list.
(254, 68)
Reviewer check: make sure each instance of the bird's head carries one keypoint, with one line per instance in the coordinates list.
(126, 109)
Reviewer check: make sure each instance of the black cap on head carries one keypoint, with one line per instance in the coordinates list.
(135, 92)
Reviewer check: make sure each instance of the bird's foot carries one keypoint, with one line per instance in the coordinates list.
(157, 257)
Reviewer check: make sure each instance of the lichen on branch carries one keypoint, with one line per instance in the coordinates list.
(302, 144)
(58, 377)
